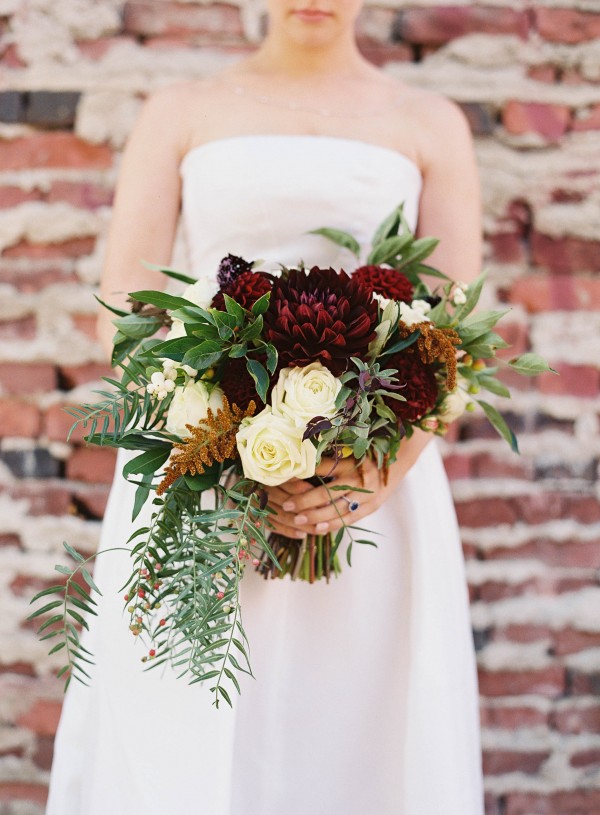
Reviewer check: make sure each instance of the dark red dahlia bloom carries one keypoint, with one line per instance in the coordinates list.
(321, 315)
(420, 387)
(387, 282)
(238, 385)
(245, 289)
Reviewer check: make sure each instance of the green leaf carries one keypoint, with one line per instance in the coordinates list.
(473, 295)
(420, 249)
(88, 579)
(271, 358)
(76, 616)
(389, 249)
(234, 308)
(160, 299)
(137, 326)
(402, 344)
(388, 227)
(530, 365)
(499, 423)
(45, 609)
(45, 592)
(149, 462)
(259, 374)
(74, 554)
(475, 325)
(491, 384)
(141, 496)
(118, 311)
(204, 355)
(252, 331)
(172, 273)
(262, 304)
(203, 481)
(340, 238)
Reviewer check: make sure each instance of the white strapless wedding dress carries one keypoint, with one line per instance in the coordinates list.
(365, 697)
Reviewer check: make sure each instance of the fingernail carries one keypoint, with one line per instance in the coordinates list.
(322, 527)
(300, 519)
(289, 506)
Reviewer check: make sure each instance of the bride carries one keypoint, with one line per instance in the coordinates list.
(365, 698)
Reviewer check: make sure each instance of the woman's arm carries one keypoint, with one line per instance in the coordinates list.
(450, 209)
(146, 207)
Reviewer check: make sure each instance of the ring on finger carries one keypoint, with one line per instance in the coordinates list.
(352, 504)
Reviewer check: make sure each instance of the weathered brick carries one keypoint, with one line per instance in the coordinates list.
(577, 802)
(580, 719)
(485, 512)
(52, 109)
(584, 682)
(93, 464)
(149, 19)
(12, 107)
(481, 117)
(90, 502)
(548, 681)
(565, 255)
(585, 758)
(22, 791)
(13, 196)
(497, 762)
(549, 121)
(381, 54)
(583, 554)
(567, 24)
(573, 380)
(44, 753)
(27, 378)
(36, 463)
(19, 419)
(589, 120)
(43, 497)
(74, 248)
(549, 292)
(58, 423)
(85, 324)
(53, 150)
(440, 24)
(42, 717)
(21, 328)
(31, 280)
(511, 718)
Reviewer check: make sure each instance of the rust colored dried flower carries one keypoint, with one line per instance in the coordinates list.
(436, 345)
(213, 439)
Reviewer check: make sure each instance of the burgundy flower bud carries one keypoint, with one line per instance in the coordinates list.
(388, 282)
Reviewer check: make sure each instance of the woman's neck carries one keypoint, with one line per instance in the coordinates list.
(295, 62)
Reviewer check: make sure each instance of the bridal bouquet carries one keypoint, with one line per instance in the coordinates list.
(259, 378)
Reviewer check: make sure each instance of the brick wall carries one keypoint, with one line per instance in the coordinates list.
(528, 76)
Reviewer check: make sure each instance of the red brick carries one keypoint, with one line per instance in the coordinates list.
(567, 25)
(44, 498)
(549, 121)
(589, 121)
(169, 18)
(584, 683)
(97, 49)
(486, 465)
(53, 150)
(583, 554)
(74, 248)
(457, 466)
(30, 281)
(20, 668)
(74, 375)
(23, 791)
(85, 324)
(13, 196)
(578, 802)
(511, 718)
(44, 752)
(523, 633)
(84, 195)
(439, 25)
(491, 591)
(564, 292)
(548, 681)
(565, 255)
(22, 328)
(577, 719)
(539, 508)
(19, 419)
(57, 424)
(27, 378)
(93, 464)
(485, 512)
(585, 758)
(543, 73)
(42, 717)
(573, 380)
(506, 247)
(497, 762)
(11, 58)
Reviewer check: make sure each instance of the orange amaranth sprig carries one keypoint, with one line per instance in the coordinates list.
(435, 344)
(212, 439)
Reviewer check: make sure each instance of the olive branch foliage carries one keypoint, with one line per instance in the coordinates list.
(187, 561)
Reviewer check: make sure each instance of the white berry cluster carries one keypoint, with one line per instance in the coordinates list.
(163, 382)
(459, 296)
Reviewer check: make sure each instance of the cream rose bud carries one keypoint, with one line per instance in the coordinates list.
(303, 393)
(189, 405)
(272, 451)
(454, 405)
(201, 292)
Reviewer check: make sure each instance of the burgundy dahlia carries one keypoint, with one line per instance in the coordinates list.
(238, 385)
(420, 387)
(231, 267)
(321, 315)
(245, 289)
(387, 282)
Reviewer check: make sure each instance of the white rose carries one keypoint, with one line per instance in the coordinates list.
(454, 405)
(389, 321)
(303, 393)
(201, 292)
(415, 313)
(189, 405)
(272, 450)
(177, 330)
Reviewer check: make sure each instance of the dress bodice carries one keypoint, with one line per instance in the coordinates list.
(259, 197)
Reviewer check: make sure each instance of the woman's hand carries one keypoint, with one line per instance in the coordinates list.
(303, 509)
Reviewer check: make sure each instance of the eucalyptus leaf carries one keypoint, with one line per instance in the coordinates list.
(260, 376)
(530, 365)
(339, 237)
(499, 423)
